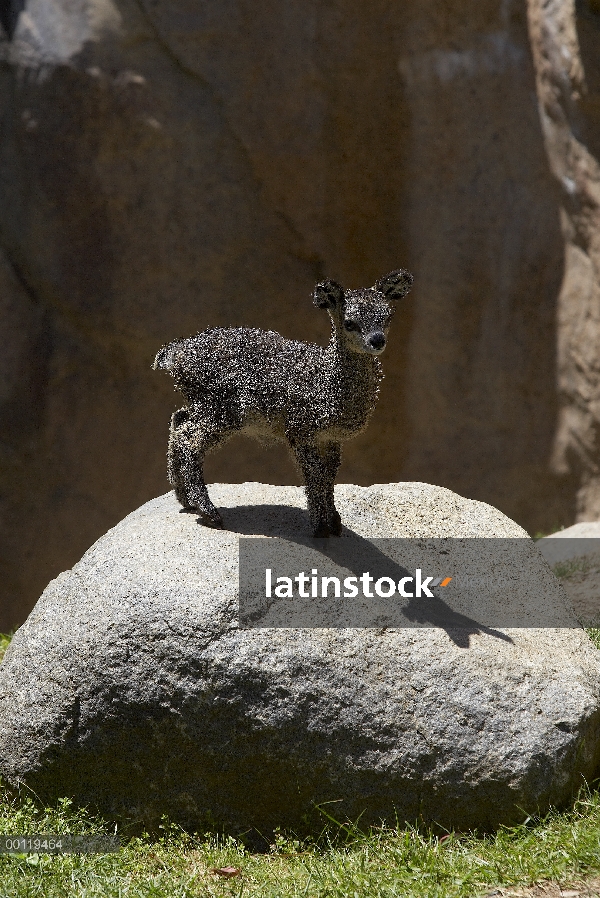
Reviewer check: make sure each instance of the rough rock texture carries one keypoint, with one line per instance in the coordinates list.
(131, 687)
(574, 555)
(579, 536)
(169, 166)
(565, 38)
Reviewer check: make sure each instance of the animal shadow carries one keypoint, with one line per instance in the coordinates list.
(357, 554)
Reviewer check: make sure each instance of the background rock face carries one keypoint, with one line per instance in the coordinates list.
(168, 166)
(566, 41)
(131, 687)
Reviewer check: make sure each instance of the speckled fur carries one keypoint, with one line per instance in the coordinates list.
(244, 380)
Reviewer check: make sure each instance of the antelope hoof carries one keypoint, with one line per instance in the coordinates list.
(211, 519)
(334, 522)
(321, 530)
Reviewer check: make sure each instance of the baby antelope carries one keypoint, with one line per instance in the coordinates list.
(245, 380)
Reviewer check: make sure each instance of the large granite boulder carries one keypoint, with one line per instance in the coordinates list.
(131, 686)
(171, 166)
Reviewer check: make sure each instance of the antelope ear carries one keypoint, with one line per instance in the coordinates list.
(328, 294)
(396, 284)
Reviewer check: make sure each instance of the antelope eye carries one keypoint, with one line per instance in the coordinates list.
(351, 325)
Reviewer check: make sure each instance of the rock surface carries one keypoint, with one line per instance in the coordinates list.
(565, 37)
(132, 688)
(577, 540)
(170, 166)
(574, 556)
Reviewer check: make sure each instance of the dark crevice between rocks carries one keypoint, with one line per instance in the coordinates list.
(105, 347)
(10, 11)
(191, 73)
(20, 277)
(313, 260)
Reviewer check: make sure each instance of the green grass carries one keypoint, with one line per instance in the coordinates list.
(340, 863)
(4, 643)
(403, 862)
(566, 569)
(540, 534)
